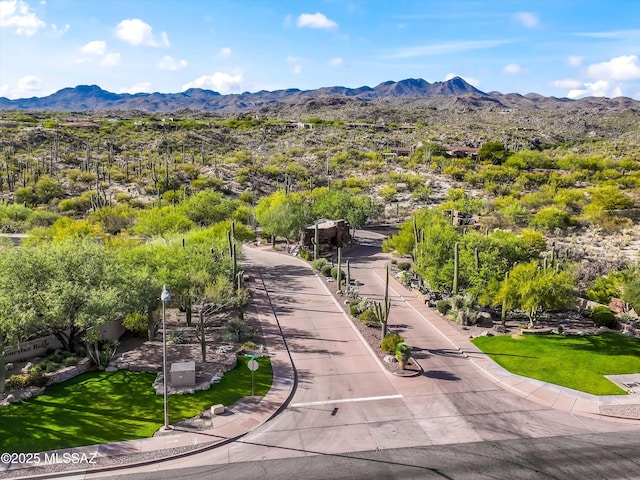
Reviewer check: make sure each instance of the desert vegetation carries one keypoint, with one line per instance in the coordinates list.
(553, 195)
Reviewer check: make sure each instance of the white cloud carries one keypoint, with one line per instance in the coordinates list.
(291, 59)
(169, 63)
(527, 19)
(608, 77)
(225, 52)
(315, 20)
(28, 86)
(336, 62)
(16, 14)
(297, 69)
(619, 68)
(60, 31)
(29, 83)
(565, 83)
(95, 47)
(110, 59)
(575, 61)
(470, 80)
(220, 82)
(601, 88)
(445, 48)
(137, 32)
(144, 87)
(514, 69)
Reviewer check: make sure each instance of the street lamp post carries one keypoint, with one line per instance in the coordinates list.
(164, 296)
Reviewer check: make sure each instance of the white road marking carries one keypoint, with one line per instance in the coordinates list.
(345, 400)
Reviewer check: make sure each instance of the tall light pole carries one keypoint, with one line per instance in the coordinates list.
(164, 296)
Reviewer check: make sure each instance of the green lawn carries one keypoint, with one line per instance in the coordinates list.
(100, 407)
(569, 361)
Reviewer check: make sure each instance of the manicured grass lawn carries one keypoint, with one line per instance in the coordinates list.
(569, 361)
(100, 407)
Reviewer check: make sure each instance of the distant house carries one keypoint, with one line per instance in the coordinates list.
(463, 152)
(402, 151)
(462, 219)
(331, 233)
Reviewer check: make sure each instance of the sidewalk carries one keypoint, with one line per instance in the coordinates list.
(626, 407)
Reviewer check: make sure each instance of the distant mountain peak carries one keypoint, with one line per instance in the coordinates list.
(93, 97)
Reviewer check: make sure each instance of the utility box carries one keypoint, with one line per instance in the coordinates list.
(183, 374)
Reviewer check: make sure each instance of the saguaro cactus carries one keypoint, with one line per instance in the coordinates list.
(381, 311)
(476, 257)
(348, 276)
(455, 268)
(316, 242)
(339, 274)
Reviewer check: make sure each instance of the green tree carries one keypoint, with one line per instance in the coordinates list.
(21, 275)
(207, 208)
(47, 189)
(161, 221)
(631, 290)
(86, 288)
(551, 218)
(283, 214)
(535, 290)
(493, 152)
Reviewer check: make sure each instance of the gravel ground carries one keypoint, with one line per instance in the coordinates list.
(626, 411)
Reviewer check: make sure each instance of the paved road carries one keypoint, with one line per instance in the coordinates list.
(346, 402)
(582, 457)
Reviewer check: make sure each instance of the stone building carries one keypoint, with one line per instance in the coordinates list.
(331, 233)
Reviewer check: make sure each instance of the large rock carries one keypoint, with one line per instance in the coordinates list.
(484, 320)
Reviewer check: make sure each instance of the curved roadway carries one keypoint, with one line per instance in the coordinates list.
(347, 402)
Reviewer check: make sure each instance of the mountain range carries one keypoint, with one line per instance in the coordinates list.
(454, 93)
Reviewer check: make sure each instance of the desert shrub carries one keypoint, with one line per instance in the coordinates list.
(69, 361)
(304, 254)
(249, 346)
(16, 382)
(135, 322)
(319, 263)
(457, 301)
(50, 366)
(334, 273)
(236, 331)
(404, 266)
(365, 304)
(354, 307)
(177, 337)
(368, 316)
(443, 306)
(403, 352)
(390, 342)
(326, 270)
(551, 218)
(36, 378)
(603, 317)
(58, 356)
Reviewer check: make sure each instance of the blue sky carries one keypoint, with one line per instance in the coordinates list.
(564, 48)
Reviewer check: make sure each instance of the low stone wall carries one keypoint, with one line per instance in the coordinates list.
(67, 373)
(62, 375)
(38, 347)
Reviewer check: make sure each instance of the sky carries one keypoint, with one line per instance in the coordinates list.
(561, 48)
